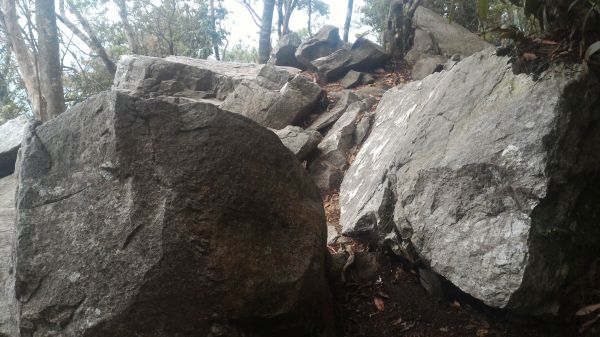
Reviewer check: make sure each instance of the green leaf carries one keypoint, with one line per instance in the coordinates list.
(592, 49)
(482, 9)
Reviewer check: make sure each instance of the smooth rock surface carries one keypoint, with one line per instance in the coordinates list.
(194, 78)
(329, 165)
(324, 42)
(334, 65)
(486, 176)
(428, 65)
(275, 108)
(367, 55)
(329, 117)
(284, 52)
(8, 302)
(11, 134)
(449, 37)
(351, 80)
(138, 217)
(301, 142)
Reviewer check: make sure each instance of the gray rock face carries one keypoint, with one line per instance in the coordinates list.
(275, 108)
(8, 303)
(351, 80)
(11, 134)
(301, 142)
(367, 55)
(486, 176)
(284, 53)
(139, 217)
(331, 162)
(334, 65)
(191, 78)
(324, 42)
(273, 96)
(428, 65)
(329, 117)
(448, 38)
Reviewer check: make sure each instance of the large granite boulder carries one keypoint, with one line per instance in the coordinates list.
(301, 142)
(273, 96)
(324, 42)
(436, 40)
(284, 52)
(334, 65)
(192, 78)
(11, 134)
(449, 38)
(489, 178)
(276, 108)
(331, 161)
(343, 99)
(367, 55)
(140, 217)
(8, 302)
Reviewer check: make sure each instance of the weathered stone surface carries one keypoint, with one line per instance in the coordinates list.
(138, 217)
(194, 78)
(8, 303)
(11, 134)
(352, 79)
(334, 65)
(284, 52)
(428, 65)
(423, 44)
(301, 142)
(367, 55)
(327, 169)
(329, 117)
(324, 42)
(275, 109)
(449, 37)
(487, 176)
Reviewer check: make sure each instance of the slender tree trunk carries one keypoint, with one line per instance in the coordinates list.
(290, 5)
(93, 42)
(49, 57)
(25, 59)
(348, 20)
(280, 18)
(95, 47)
(129, 32)
(309, 18)
(264, 38)
(394, 35)
(213, 30)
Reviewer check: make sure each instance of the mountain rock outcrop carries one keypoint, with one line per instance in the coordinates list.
(488, 178)
(141, 217)
(8, 302)
(11, 134)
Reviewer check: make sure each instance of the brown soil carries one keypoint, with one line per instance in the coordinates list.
(396, 305)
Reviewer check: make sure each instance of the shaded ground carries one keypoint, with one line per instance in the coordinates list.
(395, 304)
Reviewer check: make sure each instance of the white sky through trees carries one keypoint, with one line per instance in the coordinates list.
(242, 28)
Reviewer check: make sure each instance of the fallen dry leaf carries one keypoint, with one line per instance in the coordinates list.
(378, 301)
(529, 56)
(482, 332)
(588, 310)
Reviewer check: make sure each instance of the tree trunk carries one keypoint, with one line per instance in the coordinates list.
(309, 18)
(25, 59)
(213, 30)
(290, 5)
(279, 18)
(264, 38)
(93, 42)
(49, 58)
(394, 34)
(348, 20)
(129, 32)
(96, 48)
